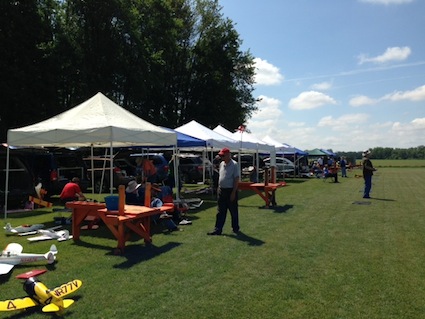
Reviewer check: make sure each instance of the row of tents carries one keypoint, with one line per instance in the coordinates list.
(99, 122)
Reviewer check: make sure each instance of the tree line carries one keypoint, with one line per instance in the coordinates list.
(167, 61)
(390, 153)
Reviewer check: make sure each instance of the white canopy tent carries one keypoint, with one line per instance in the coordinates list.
(249, 143)
(281, 147)
(244, 145)
(97, 122)
(214, 140)
(286, 149)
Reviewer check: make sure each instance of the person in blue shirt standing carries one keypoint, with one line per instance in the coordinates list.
(368, 170)
(227, 193)
(343, 164)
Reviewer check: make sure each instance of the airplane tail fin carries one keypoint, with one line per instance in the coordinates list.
(51, 255)
(8, 227)
(58, 305)
(53, 249)
(51, 307)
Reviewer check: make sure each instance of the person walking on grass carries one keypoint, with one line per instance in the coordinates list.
(368, 170)
(227, 193)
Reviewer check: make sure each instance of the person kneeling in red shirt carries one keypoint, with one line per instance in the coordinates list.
(72, 191)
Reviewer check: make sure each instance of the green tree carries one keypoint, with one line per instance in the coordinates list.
(168, 61)
(222, 75)
(26, 84)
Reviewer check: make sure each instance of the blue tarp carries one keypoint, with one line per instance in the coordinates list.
(184, 140)
(329, 153)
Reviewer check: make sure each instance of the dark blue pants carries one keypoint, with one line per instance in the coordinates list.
(223, 204)
(367, 185)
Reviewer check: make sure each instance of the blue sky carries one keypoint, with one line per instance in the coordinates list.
(345, 75)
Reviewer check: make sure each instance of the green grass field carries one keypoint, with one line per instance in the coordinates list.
(414, 163)
(323, 252)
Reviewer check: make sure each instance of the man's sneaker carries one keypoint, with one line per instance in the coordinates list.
(165, 216)
(236, 231)
(214, 233)
(185, 222)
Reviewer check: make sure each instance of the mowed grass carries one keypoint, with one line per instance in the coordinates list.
(323, 252)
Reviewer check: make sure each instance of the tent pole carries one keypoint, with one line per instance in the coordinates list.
(6, 188)
(176, 172)
(92, 169)
(102, 177)
(111, 170)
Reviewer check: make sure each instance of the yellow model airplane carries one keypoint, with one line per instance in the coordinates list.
(39, 295)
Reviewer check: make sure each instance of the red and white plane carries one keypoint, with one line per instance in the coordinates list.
(12, 255)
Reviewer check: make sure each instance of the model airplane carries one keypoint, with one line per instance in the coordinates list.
(39, 295)
(47, 234)
(23, 229)
(12, 255)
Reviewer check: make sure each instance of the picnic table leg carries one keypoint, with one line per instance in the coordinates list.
(121, 237)
(78, 216)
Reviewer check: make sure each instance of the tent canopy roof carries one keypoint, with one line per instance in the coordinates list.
(97, 122)
(213, 139)
(283, 148)
(187, 141)
(245, 140)
(316, 152)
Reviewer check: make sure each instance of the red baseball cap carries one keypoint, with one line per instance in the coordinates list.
(224, 151)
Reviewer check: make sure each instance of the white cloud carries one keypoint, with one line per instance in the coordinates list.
(362, 100)
(310, 100)
(296, 124)
(413, 126)
(417, 94)
(266, 73)
(343, 121)
(268, 114)
(387, 2)
(322, 86)
(391, 54)
(414, 95)
(419, 123)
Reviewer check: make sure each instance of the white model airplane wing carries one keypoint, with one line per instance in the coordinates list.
(39, 238)
(28, 233)
(60, 235)
(5, 268)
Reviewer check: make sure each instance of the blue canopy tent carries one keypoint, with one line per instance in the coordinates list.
(328, 153)
(187, 141)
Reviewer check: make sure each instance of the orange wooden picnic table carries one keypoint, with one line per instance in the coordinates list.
(128, 219)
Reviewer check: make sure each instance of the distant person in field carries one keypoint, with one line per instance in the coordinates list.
(343, 165)
(368, 170)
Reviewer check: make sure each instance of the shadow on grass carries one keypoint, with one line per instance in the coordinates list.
(383, 199)
(251, 241)
(281, 209)
(137, 253)
(276, 209)
(296, 180)
(28, 213)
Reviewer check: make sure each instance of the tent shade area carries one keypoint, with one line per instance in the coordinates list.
(97, 122)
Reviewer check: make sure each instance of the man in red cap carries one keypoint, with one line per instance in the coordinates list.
(227, 193)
